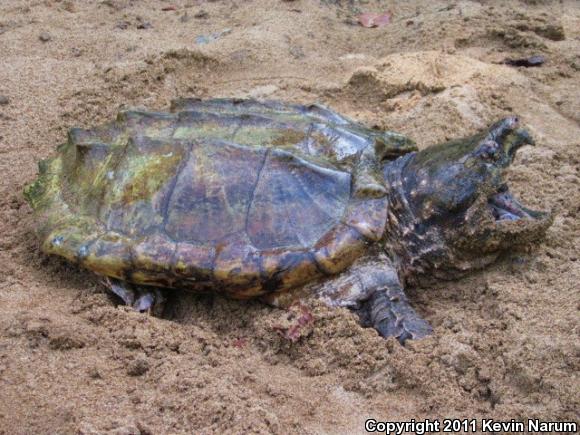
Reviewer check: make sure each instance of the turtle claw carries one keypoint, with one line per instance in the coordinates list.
(126, 293)
(148, 300)
(144, 302)
(406, 329)
(391, 315)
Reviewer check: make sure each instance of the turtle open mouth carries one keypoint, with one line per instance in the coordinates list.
(505, 207)
(507, 136)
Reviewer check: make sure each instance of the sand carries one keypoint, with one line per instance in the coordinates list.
(506, 339)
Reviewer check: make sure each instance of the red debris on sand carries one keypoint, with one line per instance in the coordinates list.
(299, 323)
(169, 8)
(374, 20)
(240, 342)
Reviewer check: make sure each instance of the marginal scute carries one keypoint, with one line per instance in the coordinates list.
(47, 221)
(390, 145)
(194, 262)
(109, 254)
(237, 267)
(285, 269)
(153, 260)
(67, 238)
(368, 217)
(339, 248)
(42, 193)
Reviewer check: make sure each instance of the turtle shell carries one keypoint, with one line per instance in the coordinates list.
(240, 196)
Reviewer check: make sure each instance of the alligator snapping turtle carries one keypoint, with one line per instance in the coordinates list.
(271, 200)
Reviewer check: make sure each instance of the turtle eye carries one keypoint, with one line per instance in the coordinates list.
(489, 150)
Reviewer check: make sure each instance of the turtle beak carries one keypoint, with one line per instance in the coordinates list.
(504, 206)
(515, 140)
(510, 137)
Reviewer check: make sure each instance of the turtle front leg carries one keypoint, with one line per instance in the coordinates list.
(372, 289)
(389, 312)
(149, 300)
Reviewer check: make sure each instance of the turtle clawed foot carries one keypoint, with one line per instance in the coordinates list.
(407, 329)
(389, 312)
(148, 300)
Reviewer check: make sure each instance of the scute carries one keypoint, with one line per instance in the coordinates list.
(213, 191)
(137, 188)
(238, 196)
(295, 202)
(339, 248)
(153, 258)
(108, 254)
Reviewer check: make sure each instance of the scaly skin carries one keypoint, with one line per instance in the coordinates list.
(441, 222)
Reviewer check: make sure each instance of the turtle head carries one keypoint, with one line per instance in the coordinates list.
(463, 212)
